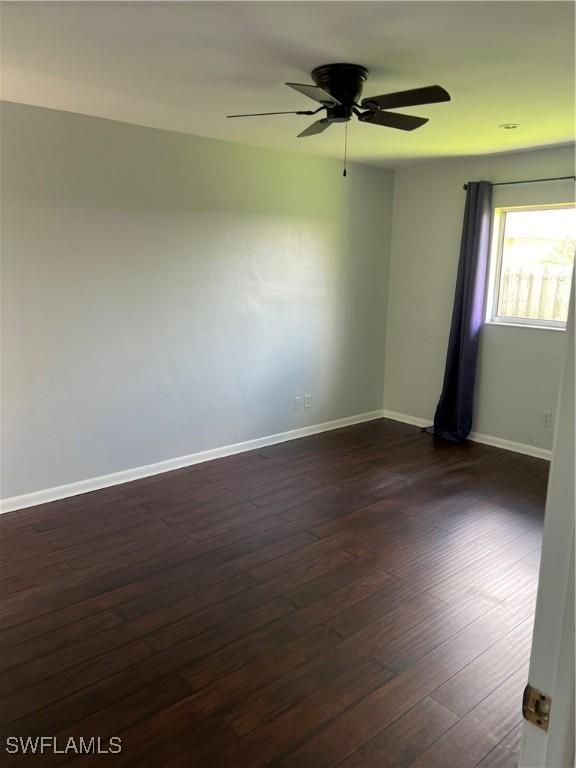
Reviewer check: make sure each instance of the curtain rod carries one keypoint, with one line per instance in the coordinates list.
(527, 181)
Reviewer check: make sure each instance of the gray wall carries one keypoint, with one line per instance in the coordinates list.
(519, 369)
(166, 294)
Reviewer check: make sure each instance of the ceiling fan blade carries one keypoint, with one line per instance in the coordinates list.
(431, 94)
(392, 120)
(316, 93)
(317, 127)
(260, 114)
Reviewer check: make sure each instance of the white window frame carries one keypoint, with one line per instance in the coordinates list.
(496, 249)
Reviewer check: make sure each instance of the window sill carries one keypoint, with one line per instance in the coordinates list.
(531, 326)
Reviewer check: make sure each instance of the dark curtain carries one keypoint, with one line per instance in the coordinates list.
(453, 418)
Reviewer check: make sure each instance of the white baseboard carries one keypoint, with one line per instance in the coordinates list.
(415, 421)
(126, 475)
(510, 445)
(477, 437)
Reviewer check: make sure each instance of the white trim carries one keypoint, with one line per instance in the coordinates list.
(531, 326)
(126, 475)
(510, 445)
(416, 421)
(477, 437)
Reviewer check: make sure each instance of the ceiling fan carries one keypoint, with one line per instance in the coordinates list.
(338, 88)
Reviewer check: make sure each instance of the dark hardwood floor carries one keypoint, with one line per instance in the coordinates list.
(360, 598)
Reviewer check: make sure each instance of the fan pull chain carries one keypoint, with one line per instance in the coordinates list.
(345, 147)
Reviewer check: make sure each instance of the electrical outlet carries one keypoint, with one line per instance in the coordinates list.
(297, 403)
(307, 401)
(547, 419)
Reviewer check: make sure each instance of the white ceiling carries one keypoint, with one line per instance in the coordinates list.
(185, 65)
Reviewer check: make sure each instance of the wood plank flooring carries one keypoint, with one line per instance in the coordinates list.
(361, 598)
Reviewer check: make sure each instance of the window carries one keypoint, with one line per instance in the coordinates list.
(532, 262)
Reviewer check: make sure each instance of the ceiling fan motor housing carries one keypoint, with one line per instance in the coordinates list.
(345, 83)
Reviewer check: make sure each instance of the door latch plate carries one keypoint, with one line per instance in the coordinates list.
(536, 707)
